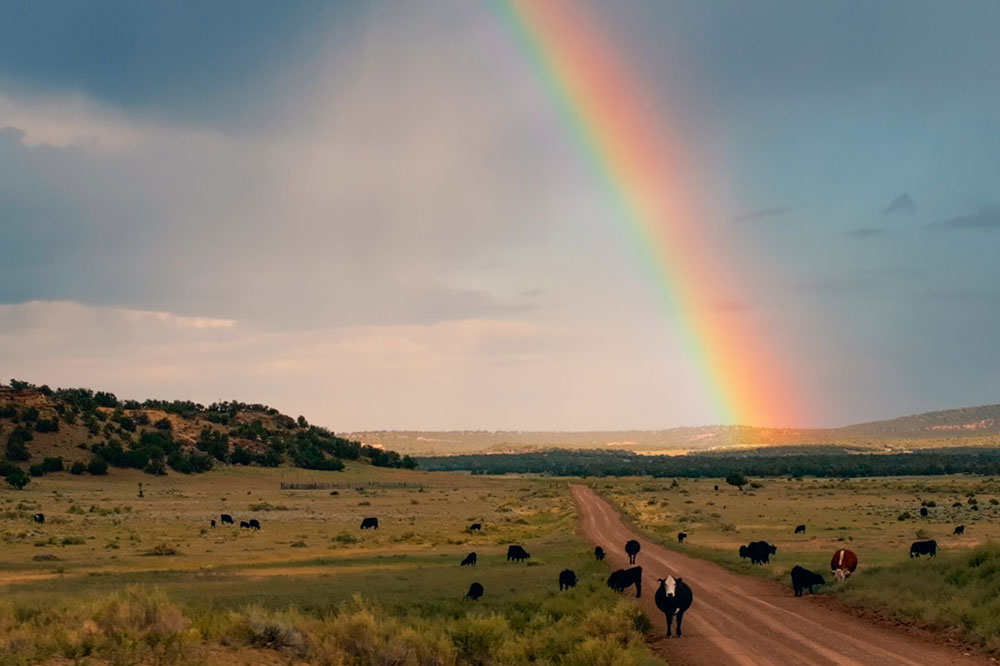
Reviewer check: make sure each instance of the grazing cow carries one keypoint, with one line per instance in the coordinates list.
(632, 548)
(716, 488)
(803, 578)
(469, 561)
(959, 531)
(599, 553)
(800, 529)
(475, 591)
(622, 578)
(475, 527)
(39, 518)
(567, 579)
(369, 524)
(673, 596)
(213, 523)
(244, 524)
(681, 536)
(517, 554)
(226, 519)
(760, 552)
(918, 548)
(744, 552)
(923, 511)
(843, 564)
(254, 524)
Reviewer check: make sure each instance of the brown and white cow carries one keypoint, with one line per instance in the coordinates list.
(843, 564)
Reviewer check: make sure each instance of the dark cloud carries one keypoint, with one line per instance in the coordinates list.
(901, 204)
(987, 218)
(862, 234)
(763, 214)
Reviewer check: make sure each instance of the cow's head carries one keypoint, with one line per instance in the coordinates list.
(669, 585)
(841, 574)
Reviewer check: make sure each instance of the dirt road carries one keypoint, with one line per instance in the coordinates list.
(741, 620)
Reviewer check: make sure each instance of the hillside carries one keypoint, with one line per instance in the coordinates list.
(967, 426)
(82, 431)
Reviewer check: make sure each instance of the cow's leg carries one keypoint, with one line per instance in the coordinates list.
(670, 620)
(680, 616)
(638, 589)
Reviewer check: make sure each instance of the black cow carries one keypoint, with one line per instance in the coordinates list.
(244, 524)
(632, 548)
(469, 561)
(599, 553)
(369, 524)
(918, 548)
(800, 529)
(475, 527)
(213, 523)
(716, 488)
(567, 579)
(760, 552)
(226, 519)
(517, 554)
(622, 578)
(673, 596)
(803, 578)
(254, 524)
(475, 591)
(39, 518)
(923, 511)
(959, 531)
(681, 536)
(744, 552)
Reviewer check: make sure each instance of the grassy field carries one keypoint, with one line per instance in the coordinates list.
(112, 577)
(875, 518)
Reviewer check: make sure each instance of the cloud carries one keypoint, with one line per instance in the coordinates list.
(987, 218)
(862, 234)
(901, 204)
(763, 214)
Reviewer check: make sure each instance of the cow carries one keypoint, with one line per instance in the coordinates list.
(475, 591)
(681, 536)
(632, 548)
(760, 552)
(39, 518)
(213, 523)
(923, 511)
(517, 554)
(918, 548)
(475, 527)
(567, 579)
(622, 578)
(369, 524)
(226, 519)
(716, 488)
(244, 524)
(254, 524)
(800, 529)
(470, 560)
(673, 596)
(803, 579)
(599, 553)
(843, 564)
(959, 530)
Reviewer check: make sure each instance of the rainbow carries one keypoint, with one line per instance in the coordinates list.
(641, 166)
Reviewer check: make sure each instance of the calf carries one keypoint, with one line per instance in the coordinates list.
(226, 519)
(681, 536)
(959, 531)
(803, 578)
(39, 518)
(517, 554)
(475, 591)
(469, 561)
(599, 553)
(800, 529)
(244, 524)
(632, 548)
(622, 578)
(918, 548)
(254, 524)
(567, 579)
(369, 524)
(673, 596)
(475, 527)
(213, 523)
(843, 563)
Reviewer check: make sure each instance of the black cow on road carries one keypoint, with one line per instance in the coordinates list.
(369, 524)
(475, 591)
(959, 531)
(254, 524)
(800, 529)
(226, 519)
(673, 596)
(39, 518)
(470, 560)
(622, 578)
(599, 553)
(632, 548)
(803, 579)
(517, 553)
(567, 579)
(681, 536)
(918, 548)
(475, 527)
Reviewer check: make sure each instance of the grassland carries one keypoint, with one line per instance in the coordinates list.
(956, 591)
(112, 577)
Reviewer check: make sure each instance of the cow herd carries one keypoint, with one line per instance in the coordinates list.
(673, 596)
(226, 519)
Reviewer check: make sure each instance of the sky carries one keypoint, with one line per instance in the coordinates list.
(374, 214)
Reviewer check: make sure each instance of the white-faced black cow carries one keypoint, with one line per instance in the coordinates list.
(517, 553)
(918, 548)
(39, 518)
(369, 524)
(803, 579)
(632, 548)
(475, 591)
(673, 596)
(226, 519)
(567, 579)
(599, 553)
(470, 560)
(800, 529)
(622, 578)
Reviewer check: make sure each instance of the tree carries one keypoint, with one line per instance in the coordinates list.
(737, 479)
(77, 468)
(16, 478)
(98, 467)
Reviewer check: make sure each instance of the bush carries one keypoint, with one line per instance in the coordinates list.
(97, 467)
(77, 468)
(17, 479)
(156, 468)
(163, 424)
